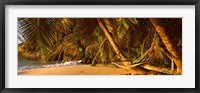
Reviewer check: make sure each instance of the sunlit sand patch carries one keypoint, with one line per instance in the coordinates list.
(77, 70)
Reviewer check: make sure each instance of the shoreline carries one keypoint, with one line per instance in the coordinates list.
(77, 70)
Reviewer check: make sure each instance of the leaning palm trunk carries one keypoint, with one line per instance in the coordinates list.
(114, 45)
(124, 59)
(169, 42)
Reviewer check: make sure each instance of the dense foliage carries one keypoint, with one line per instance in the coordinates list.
(66, 39)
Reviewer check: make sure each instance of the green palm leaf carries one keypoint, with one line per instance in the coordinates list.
(41, 33)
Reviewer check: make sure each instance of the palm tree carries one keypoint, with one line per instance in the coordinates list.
(124, 60)
(167, 30)
(95, 40)
(40, 35)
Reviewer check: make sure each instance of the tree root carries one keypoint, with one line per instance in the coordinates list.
(158, 69)
(145, 69)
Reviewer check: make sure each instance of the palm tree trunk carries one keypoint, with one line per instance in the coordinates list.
(169, 41)
(125, 62)
(114, 45)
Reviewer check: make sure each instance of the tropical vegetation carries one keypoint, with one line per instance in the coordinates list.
(139, 45)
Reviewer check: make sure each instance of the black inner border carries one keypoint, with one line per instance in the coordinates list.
(3, 3)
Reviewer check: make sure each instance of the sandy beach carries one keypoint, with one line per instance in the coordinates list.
(77, 70)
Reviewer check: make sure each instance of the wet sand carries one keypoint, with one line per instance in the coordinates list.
(77, 70)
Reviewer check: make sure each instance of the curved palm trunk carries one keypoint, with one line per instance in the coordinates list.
(126, 63)
(169, 41)
(114, 45)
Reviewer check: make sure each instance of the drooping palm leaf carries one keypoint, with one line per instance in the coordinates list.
(41, 33)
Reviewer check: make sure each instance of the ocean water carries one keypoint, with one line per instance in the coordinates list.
(28, 65)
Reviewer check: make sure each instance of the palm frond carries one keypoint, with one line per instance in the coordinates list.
(41, 33)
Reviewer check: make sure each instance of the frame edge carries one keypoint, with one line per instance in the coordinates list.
(2, 47)
(197, 51)
(2, 42)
